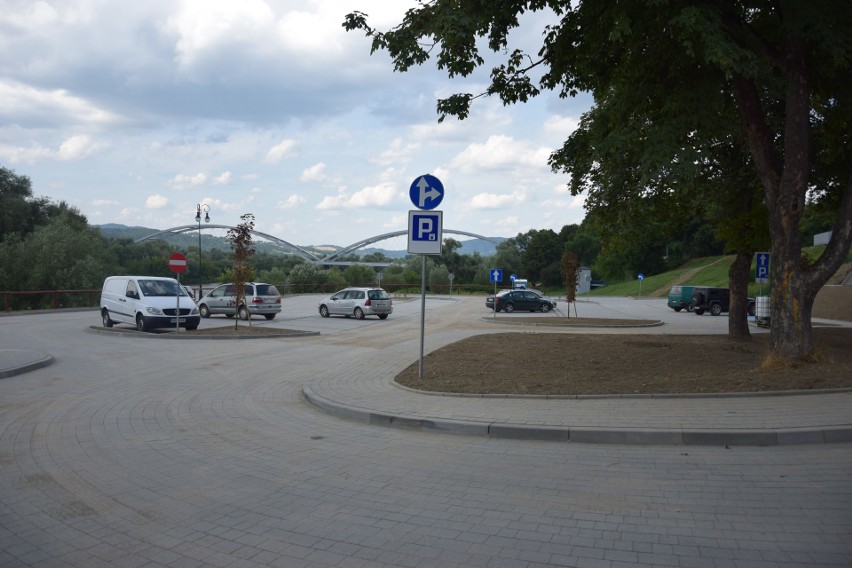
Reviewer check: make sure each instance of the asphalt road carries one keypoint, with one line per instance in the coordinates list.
(156, 452)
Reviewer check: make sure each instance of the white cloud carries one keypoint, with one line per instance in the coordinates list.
(561, 126)
(33, 107)
(104, 202)
(74, 148)
(222, 179)
(156, 201)
(77, 147)
(313, 173)
(181, 181)
(397, 153)
(282, 150)
(292, 202)
(496, 201)
(500, 152)
(374, 196)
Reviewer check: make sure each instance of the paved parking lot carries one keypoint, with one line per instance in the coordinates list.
(205, 453)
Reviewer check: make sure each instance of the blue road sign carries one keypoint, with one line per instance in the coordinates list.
(513, 277)
(425, 232)
(497, 275)
(761, 270)
(426, 192)
(641, 277)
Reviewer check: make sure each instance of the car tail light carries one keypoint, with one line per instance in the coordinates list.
(256, 300)
(278, 300)
(368, 302)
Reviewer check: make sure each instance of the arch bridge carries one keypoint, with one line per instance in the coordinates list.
(330, 260)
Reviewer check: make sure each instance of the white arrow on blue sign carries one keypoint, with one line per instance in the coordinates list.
(761, 271)
(426, 192)
(496, 275)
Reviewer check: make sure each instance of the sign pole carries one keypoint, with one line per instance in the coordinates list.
(177, 264)
(177, 306)
(494, 305)
(422, 312)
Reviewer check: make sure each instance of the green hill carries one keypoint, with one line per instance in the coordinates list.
(708, 271)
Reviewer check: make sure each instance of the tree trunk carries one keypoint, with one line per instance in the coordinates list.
(738, 311)
(785, 182)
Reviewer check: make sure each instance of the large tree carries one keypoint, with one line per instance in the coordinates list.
(784, 63)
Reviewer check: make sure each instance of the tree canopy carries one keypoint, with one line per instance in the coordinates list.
(674, 81)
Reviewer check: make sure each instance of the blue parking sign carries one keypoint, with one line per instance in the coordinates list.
(761, 268)
(425, 232)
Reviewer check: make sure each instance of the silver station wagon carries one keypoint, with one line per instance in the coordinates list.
(358, 302)
(263, 299)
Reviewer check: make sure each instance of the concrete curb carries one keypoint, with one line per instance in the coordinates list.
(581, 435)
(23, 361)
(186, 335)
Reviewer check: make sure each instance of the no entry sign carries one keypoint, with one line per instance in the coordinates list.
(177, 262)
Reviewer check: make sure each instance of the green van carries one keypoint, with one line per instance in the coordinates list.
(680, 297)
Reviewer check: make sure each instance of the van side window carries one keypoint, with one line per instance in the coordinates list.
(132, 290)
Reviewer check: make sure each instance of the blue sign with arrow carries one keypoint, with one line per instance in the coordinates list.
(426, 192)
(761, 269)
(496, 275)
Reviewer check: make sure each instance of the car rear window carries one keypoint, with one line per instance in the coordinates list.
(378, 295)
(267, 290)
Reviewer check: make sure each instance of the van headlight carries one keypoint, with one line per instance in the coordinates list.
(153, 311)
(194, 312)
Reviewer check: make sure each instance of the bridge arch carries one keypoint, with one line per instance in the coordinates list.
(307, 255)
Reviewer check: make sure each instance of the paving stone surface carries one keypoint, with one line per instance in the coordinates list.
(172, 453)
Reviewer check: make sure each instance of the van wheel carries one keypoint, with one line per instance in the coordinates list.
(715, 309)
(383, 316)
(204, 311)
(677, 309)
(105, 315)
(359, 313)
(140, 323)
(269, 316)
(244, 313)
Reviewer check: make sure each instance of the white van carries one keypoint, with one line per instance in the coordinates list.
(148, 302)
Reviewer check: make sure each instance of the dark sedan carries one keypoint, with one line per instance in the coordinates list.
(521, 300)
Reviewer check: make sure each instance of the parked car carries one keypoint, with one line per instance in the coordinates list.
(520, 300)
(358, 302)
(189, 291)
(680, 297)
(148, 302)
(715, 300)
(261, 299)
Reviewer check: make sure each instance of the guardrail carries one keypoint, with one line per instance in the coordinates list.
(21, 300)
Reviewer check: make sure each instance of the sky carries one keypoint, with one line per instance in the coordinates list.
(137, 112)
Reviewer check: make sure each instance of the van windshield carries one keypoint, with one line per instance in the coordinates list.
(159, 288)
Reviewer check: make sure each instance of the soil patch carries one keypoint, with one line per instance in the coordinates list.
(605, 364)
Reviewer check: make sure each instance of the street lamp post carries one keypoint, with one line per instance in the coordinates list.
(199, 208)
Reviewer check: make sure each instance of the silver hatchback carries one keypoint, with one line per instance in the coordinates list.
(358, 302)
(262, 299)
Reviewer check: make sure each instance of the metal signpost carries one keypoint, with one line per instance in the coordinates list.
(177, 264)
(496, 276)
(641, 277)
(425, 235)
